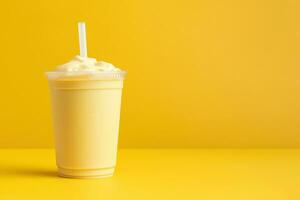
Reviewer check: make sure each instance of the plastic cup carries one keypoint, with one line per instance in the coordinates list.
(86, 114)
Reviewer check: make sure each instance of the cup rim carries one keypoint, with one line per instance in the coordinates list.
(93, 75)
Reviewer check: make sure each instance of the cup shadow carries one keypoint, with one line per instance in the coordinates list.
(30, 172)
(38, 172)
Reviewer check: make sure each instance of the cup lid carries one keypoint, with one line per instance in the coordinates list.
(85, 75)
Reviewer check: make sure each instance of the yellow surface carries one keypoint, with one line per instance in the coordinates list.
(202, 72)
(265, 174)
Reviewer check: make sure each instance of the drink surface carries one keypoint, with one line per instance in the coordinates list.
(84, 68)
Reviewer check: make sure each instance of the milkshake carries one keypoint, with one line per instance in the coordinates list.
(86, 101)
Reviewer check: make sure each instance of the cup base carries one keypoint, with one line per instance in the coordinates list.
(86, 173)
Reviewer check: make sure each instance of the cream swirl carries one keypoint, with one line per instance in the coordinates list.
(82, 64)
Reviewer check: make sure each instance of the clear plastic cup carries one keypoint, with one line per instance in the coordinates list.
(86, 114)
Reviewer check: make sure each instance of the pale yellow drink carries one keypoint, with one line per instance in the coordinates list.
(86, 112)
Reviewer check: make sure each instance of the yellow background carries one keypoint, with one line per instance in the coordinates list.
(201, 73)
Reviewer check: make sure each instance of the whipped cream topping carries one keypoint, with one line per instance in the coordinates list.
(83, 64)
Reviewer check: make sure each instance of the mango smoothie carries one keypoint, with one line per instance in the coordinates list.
(86, 101)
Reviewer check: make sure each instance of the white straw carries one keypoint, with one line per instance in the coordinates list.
(82, 39)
